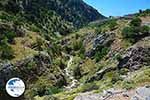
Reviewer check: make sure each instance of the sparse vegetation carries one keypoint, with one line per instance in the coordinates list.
(135, 31)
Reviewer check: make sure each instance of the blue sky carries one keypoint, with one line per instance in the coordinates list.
(118, 7)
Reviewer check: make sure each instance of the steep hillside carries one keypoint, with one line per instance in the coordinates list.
(110, 59)
(29, 31)
(52, 15)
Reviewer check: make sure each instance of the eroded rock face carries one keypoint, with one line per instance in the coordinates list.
(135, 58)
(141, 93)
(30, 69)
(103, 39)
(88, 96)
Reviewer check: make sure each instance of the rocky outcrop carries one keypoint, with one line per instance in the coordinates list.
(141, 93)
(7, 70)
(103, 39)
(88, 96)
(135, 58)
(30, 69)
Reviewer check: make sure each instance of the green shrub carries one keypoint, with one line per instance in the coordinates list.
(31, 65)
(44, 90)
(55, 49)
(34, 28)
(123, 71)
(136, 22)
(116, 77)
(112, 24)
(118, 57)
(127, 32)
(77, 72)
(60, 62)
(145, 29)
(98, 30)
(135, 31)
(10, 35)
(82, 52)
(52, 90)
(128, 85)
(77, 45)
(101, 51)
(89, 87)
(6, 52)
(39, 43)
(77, 36)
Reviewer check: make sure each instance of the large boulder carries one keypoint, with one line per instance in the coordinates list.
(135, 58)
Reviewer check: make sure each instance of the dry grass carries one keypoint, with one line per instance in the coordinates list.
(21, 47)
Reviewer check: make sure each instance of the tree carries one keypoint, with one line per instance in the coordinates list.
(140, 11)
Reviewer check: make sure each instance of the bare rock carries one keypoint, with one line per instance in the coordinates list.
(135, 58)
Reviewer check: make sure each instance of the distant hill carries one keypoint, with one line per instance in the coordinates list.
(52, 15)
